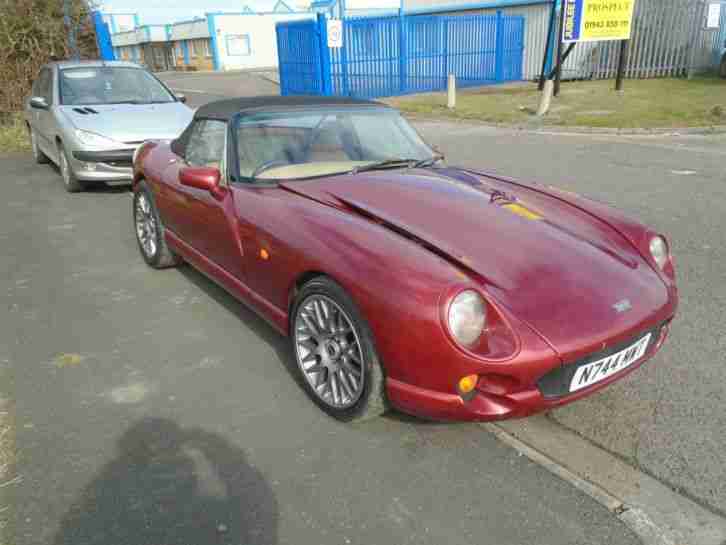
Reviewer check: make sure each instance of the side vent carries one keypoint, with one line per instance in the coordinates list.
(85, 110)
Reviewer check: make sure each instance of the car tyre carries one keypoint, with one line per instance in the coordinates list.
(71, 183)
(39, 157)
(150, 230)
(328, 334)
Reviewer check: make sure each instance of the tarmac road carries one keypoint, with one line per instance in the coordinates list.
(154, 409)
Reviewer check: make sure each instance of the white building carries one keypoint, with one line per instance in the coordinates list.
(218, 41)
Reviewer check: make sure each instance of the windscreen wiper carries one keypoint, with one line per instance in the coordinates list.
(431, 161)
(399, 163)
(385, 164)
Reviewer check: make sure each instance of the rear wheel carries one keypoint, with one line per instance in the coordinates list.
(38, 156)
(71, 183)
(335, 353)
(150, 231)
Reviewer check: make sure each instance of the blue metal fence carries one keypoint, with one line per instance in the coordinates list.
(387, 56)
(299, 56)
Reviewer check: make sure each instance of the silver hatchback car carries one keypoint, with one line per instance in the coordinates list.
(89, 117)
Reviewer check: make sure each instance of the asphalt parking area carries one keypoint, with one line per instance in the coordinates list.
(153, 408)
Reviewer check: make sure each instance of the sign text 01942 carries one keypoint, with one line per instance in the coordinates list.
(597, 20)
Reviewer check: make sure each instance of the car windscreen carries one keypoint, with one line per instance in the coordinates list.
(322, 141)
(98, 85)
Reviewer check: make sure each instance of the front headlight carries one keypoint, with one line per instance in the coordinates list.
(467, 317)
(93, 139)
(659, 251)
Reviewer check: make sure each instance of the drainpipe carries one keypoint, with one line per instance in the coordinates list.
(216, 61)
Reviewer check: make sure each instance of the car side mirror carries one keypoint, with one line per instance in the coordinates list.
(181, 98)
(39, 102)
(204, 178)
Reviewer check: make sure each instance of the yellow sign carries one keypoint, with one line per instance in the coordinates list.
(598, 20)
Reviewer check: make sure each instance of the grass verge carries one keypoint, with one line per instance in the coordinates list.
(13, 133)
(654, 103)
(7, 471)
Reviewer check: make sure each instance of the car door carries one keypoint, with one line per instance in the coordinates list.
(205, 222)
(42, 120)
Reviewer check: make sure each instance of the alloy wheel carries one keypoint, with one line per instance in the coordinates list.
(145, 225)
(328, 351)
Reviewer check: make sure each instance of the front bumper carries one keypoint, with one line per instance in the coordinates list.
(107, 165)
(487, 406)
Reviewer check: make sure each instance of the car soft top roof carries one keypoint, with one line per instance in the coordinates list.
(226, 109)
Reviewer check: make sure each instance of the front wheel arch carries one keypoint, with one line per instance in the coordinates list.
(295, 288)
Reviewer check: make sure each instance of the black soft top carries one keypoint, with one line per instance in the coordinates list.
(227, 109)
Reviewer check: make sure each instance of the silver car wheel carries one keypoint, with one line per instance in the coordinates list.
(64, 167)
(145, 225)
(328, 351)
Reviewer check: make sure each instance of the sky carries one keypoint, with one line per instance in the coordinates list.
(168, 11)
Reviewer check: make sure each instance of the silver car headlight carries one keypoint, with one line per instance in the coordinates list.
(92, 139)
(467, 317)
(659, 250)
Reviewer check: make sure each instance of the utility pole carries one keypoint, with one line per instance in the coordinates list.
(547, 54)
(71, 29)
(560, 37)
(621, 65)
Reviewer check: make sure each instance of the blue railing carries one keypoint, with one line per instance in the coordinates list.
(387, 56)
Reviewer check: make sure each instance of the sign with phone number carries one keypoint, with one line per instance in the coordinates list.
(597, 20)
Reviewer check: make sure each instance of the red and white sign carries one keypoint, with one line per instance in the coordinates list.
(335, 33)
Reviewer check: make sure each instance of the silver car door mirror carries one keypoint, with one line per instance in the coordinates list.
(181, 98)
(39, 102)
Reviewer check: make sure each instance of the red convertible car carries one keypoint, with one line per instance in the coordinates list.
(447, 293)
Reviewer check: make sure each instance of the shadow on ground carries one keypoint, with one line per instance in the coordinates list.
(277, 342)
(249, 319)
(173, 486)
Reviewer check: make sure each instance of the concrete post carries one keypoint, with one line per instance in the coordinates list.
(451, 92)
(546, 100)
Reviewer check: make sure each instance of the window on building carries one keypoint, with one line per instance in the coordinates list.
(239, 45)
(158, 56)
(194, 48)
(205, 46)
(179, 51)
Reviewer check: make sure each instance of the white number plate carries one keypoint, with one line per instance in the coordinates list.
(602, 369)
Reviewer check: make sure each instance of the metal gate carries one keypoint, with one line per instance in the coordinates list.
(387, 56)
